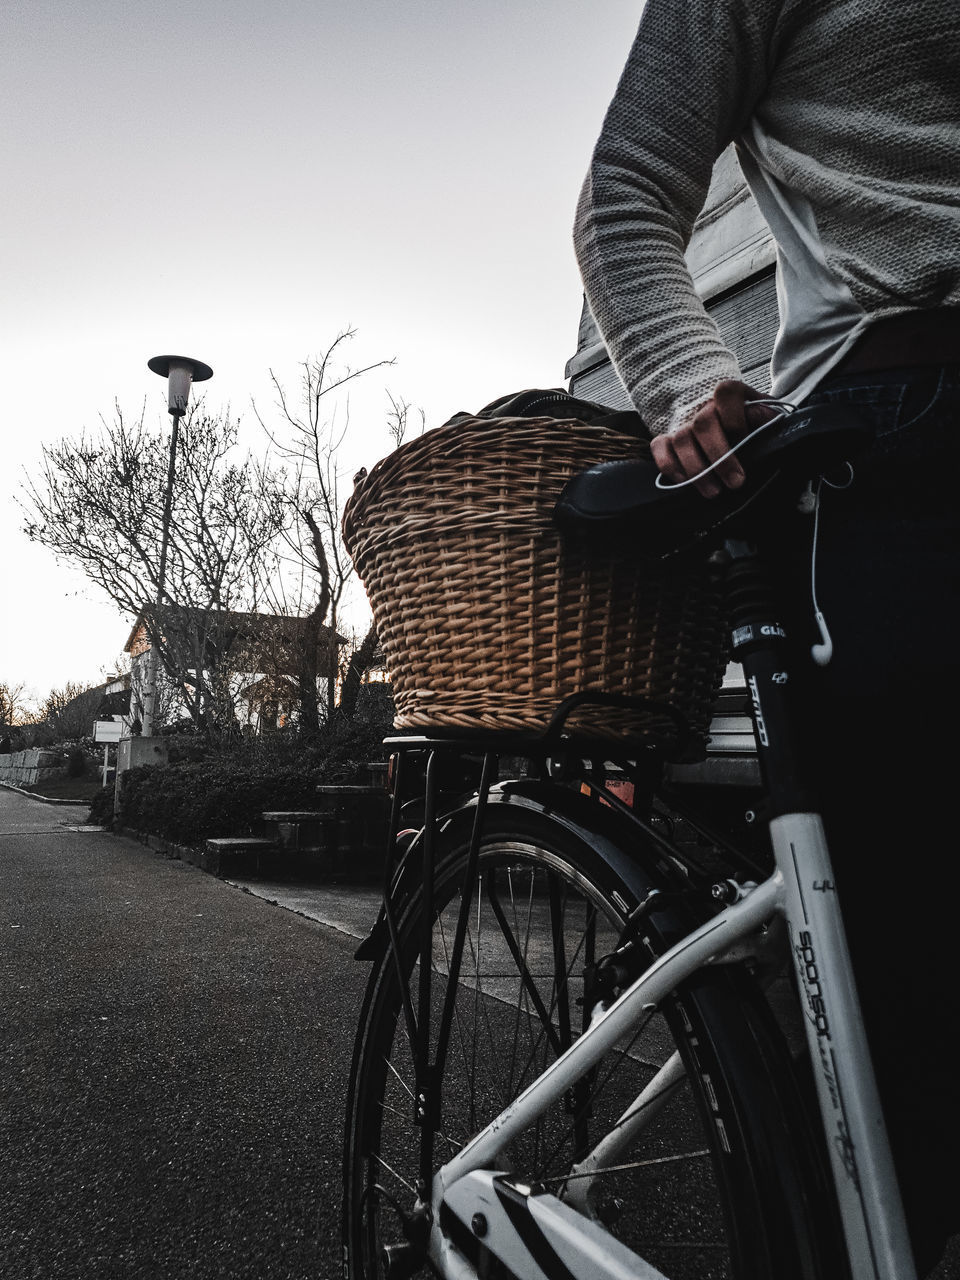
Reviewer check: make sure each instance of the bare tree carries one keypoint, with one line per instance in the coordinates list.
(357, 664)
(15, 705)
(309, 437)
(70, 712)
(97, 502)
(399, 419)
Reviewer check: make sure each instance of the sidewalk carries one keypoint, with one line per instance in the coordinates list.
(350, 909)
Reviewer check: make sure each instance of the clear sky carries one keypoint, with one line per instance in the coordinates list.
(238, 181)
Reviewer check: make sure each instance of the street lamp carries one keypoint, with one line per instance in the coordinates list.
(181, 372)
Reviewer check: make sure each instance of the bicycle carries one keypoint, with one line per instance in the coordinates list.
(573, 1058)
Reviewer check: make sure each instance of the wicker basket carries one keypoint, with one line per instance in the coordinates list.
(488, 619)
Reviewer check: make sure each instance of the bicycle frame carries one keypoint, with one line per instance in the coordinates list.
(801, 892)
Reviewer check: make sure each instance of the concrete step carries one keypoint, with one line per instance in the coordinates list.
(256, 857)
(233, 854)
(302, 829)
(294, 815)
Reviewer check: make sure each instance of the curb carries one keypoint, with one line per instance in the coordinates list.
(200, 859)
(169, 850)
(32, 795)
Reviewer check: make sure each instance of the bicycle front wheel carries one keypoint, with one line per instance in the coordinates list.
(717, 1180)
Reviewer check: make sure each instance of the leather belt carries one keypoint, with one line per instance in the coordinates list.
(912, 341)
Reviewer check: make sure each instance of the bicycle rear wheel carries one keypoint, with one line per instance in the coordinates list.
(721, 1181)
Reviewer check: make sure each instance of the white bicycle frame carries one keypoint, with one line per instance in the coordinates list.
(801, 891)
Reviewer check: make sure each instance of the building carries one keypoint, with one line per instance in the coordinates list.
(249, 664)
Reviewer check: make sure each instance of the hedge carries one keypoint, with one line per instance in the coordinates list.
(225, 795)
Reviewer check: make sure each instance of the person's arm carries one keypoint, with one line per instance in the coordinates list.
(696, 70)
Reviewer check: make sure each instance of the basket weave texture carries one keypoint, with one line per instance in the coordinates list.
(488, 619)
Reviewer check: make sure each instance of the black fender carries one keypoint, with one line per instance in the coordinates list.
(530, 807)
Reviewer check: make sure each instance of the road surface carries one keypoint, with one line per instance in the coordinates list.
(173, 1061)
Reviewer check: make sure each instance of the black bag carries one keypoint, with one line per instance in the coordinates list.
(557, 403)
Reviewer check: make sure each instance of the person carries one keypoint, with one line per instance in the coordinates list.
(845, 116)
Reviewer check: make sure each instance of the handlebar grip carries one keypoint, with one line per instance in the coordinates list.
(622, 496)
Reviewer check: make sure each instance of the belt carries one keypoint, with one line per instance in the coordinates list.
(911, 341)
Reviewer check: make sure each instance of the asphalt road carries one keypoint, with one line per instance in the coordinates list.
(173, 1061)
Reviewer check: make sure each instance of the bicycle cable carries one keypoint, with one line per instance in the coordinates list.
(821, 652)
(785, 407)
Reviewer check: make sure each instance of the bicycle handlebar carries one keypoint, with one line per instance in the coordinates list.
(622, 497)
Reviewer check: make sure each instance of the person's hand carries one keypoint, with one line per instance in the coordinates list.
(718, 424)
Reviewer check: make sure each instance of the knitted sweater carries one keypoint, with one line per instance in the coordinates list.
(846, 117)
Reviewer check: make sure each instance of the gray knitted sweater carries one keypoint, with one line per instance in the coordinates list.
(846, 117)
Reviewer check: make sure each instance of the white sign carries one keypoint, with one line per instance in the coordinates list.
(107, 730)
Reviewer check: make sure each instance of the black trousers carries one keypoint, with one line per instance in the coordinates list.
(880, 724)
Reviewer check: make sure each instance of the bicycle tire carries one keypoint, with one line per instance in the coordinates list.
(749, 1202)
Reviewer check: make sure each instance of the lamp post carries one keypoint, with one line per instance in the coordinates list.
(181, 372)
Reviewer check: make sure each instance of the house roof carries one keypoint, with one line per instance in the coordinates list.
(84, 698)
(115, 703)
(248, 626)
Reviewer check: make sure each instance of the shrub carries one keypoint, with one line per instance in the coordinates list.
(101, 807)
(224, 795)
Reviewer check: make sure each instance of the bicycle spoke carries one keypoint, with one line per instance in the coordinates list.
(456, 1009)
(404, 1115)
(525, 977)
(548, 1015)
(595, 1093)
(480, 1003)
(523, 997)
(557, 1179)
(402, 1083)
(628, 1134)
(383, 1164)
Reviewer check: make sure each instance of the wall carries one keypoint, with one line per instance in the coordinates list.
(25, 768)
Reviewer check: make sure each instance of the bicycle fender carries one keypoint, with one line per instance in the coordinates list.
(528, 802)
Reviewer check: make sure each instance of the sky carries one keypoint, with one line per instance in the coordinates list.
(239, 182)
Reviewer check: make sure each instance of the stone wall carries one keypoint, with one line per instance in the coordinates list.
(26, 768)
